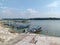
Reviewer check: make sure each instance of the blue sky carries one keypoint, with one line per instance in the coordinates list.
(29, 8)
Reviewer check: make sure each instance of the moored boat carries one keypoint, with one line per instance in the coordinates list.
(34, 30)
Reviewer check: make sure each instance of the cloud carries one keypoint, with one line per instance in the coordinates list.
(13, 13)
(32, 11)
(28, 13)
(52, 14)
(53, 4)
(7, 12)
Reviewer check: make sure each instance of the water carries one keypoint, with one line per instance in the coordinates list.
(50, 26)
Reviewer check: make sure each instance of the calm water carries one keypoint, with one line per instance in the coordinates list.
(50, 26)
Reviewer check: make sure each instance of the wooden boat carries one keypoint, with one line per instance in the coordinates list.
(35, 30)
(17, 25)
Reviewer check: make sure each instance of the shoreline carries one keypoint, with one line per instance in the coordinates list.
(41, 39)
(9, 38)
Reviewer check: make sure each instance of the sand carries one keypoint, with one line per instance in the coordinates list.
(40, 40)
(8, 38)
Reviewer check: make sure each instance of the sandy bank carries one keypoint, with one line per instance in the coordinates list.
(8, 38)
(39, 40)
(5, 35)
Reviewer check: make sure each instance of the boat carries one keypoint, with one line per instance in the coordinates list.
(20, 26)
(35, 30)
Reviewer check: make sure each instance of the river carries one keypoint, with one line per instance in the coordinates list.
(50, 26)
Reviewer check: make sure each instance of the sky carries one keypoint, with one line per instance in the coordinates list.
(29, 8)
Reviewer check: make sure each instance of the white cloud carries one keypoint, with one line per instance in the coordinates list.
(28, 13)
(32, 11)
(52, 14)
(7, 12)
(53, 4)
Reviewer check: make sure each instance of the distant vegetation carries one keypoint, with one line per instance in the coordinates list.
(44, 18)
(32, 19)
